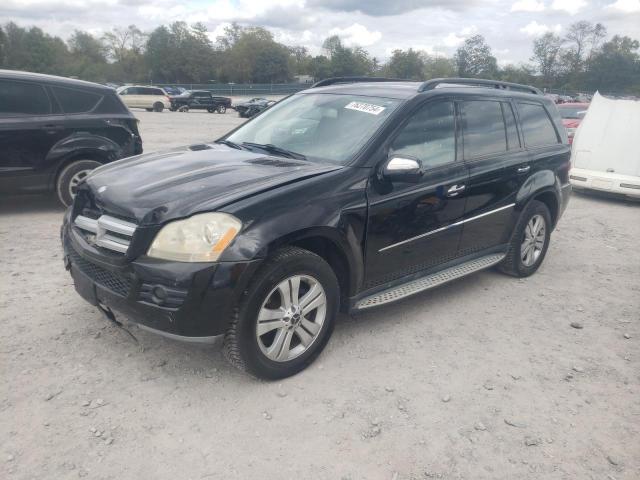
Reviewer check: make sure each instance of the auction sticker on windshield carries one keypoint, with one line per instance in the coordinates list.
(365, 107)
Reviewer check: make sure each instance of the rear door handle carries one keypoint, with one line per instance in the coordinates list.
(524, 169)
(455, 190)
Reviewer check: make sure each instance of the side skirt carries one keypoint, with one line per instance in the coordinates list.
(429, 281)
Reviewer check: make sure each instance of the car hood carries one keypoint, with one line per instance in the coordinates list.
(158, 187)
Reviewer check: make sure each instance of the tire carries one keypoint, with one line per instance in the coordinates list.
(184, 109)
(211, 109)
(525, 256)
(69, 177)
(221, 109)
(246, 350)
(158, 107)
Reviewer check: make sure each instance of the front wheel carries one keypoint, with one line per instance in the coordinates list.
(222, 109)
(529, 242)
(70, 177)
(285, 317)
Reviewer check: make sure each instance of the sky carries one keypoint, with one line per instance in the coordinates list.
(436, 26)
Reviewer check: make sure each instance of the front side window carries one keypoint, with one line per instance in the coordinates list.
(22, 98)
(536, 125)
(75, 101)
(320, 126)
(430, 135)
(483, 129)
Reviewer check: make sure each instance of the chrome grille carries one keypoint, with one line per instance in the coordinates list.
(109, 232)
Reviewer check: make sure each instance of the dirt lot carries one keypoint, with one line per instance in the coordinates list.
(483, 378)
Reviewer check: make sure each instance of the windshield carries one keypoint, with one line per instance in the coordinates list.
(321, 126)
(573, 113)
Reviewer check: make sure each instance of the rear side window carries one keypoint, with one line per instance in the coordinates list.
(513, 141)
(430, 135)
(76, 101)
(483, 129)
(22, 98)
(537, 128)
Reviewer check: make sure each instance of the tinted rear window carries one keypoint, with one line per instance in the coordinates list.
(483, 128)
(22, 98)
(536, 125)
(76, 101)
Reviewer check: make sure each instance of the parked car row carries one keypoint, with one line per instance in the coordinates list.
(157, 99)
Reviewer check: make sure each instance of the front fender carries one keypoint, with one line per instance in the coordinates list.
(332, 206)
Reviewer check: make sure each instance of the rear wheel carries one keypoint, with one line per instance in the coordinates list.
(530, 241)
(285, 317)
(158, 107)
(70, 177)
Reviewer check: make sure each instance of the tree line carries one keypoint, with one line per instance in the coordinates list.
(582, 60)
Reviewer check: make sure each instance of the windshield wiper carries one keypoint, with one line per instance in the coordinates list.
(271, 148)
(231, 144)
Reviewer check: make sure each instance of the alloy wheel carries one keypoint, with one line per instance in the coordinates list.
(75, 181)
(291, 318)
(534, 239)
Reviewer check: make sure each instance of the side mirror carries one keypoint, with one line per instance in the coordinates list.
(404, 169)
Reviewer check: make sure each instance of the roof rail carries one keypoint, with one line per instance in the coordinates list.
(431, 84)
(334, 80)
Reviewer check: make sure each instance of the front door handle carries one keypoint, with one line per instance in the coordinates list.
(524, 169)
(455, 190)
(52, 128)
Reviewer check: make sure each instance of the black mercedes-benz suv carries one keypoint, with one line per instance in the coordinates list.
(55, 130)
(346, 196)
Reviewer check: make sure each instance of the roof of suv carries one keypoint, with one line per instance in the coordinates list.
(40, 77)
(402, 90)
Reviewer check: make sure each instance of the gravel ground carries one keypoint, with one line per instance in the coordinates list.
(483, 378)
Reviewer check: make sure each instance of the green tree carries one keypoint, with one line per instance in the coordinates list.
(616, 67)
(406, 64)
(546, 57)
(439, 67)
(474, 58)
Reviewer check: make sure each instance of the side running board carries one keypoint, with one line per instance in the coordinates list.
(430, 281)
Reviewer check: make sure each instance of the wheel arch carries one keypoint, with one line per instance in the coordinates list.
(77, 155)
(327, 243)
(542, 186)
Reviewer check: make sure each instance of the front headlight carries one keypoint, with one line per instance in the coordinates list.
(201, 238)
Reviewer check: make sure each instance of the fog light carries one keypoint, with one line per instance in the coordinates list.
(158, 295)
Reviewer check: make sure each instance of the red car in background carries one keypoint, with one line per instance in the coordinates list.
(572, 114)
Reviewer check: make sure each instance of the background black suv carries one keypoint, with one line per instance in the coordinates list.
(54, 131)
(343, 196)
(199, 100)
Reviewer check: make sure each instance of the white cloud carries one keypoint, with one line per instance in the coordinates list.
(357, 34)
(535, 29)
(570, 6)
(626, 6)
(455, 39)
(452, 40)
(527, 6)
